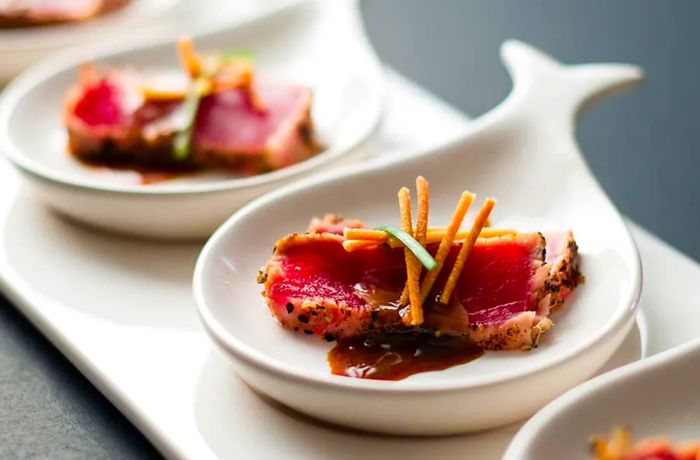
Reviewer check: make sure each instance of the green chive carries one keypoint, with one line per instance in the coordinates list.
(248, 55)
(419, 251)
(183, 139)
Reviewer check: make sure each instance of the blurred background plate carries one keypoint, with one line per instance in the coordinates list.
(22, 47)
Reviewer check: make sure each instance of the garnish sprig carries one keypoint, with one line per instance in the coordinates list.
(408, 241)
(183, 138)
(210, 73)
(416, 290)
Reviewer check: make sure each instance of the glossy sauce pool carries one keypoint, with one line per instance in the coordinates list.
(397, 356)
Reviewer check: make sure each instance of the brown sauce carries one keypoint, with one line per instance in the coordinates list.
(396, 356)
(147, 174)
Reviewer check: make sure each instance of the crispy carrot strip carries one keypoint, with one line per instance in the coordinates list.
(462, 207)
(189, 59)
(464, 251)
(354, 245)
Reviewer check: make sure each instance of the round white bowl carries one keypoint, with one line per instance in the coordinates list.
(657, 396)
(523, 153)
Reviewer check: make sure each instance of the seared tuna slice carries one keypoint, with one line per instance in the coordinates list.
(498, 293)
(111, 120)
(313, 285)
(564, 276)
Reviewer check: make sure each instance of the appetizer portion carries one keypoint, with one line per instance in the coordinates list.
(621, 446)
(216, 115)
(446, 292)
(30, 13)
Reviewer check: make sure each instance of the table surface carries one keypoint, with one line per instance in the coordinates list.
(637, 144)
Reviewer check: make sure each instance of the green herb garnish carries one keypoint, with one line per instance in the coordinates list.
(244, 54)
(414, 246)
(183, 138)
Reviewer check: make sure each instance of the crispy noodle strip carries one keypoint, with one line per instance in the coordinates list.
(423, 190)
(466, 248)
(613, 448)
(420, 234)
(354, 245)
(433, 235)
(225, 74)
(404, 196)
(189, 59)
(379, 236)
(462, 207)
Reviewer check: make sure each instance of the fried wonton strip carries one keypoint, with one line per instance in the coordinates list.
(354, 245)
(462, 207)
(466, 248)
(413, 265)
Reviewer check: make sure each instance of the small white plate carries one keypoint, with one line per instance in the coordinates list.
(22, 47)
(523, 153)
(308, 42)
(653, 397)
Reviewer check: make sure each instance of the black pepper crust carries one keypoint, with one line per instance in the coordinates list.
(261, 278)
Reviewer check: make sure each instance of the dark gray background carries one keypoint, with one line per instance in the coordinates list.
(642, 147)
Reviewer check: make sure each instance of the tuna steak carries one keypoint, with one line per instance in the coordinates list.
(109, 120)
(505, 292)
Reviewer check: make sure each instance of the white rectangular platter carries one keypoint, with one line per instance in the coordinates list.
(122, 311)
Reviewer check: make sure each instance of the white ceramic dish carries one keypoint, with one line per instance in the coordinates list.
(653, 397)
(20, 48)
(168, 378)
(523, 152)
(309, 42)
